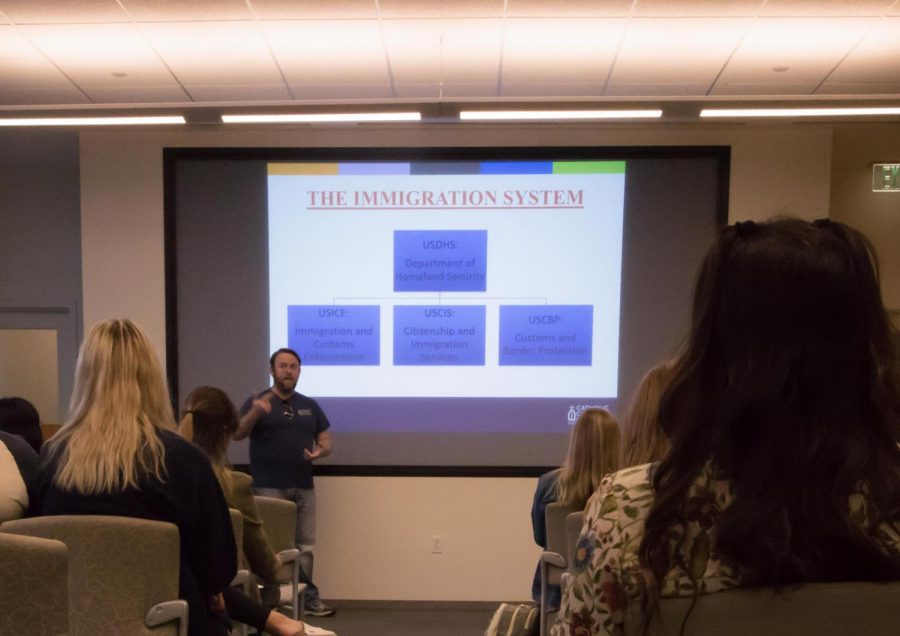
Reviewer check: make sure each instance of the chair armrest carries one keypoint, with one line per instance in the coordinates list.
(242, 580)
(169, 611)
(289, 556)
(553, 558)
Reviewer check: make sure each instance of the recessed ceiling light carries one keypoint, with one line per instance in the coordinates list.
(798, 112)
(314, 118)
(92, 121)
(518, 115)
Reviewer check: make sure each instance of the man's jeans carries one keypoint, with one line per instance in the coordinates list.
(305, 537)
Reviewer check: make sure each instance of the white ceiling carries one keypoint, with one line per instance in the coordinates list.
(68, 53)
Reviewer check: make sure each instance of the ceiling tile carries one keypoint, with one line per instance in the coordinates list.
(238, 92)
(764, 88)
(697, 8)
(402, 9)
(214, 53)
(651, 89)
(569, 9)
(100, 54)
(686, 51)
(552, 89)
(313, 9)
(342, 91)
(825, 8)
(328, 51)
(859, 88)
(807, 48)
(875, 60)
(28, 96)
(182, 11)
(558, 51)
(62, 11)
(137, 94)
(24, 67)
(468, 90)
(435, 51)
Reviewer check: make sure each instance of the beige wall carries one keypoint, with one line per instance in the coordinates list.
(29, 369)
(877, 214)
(375, 532)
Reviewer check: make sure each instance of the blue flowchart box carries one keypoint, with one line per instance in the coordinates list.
(335, 335)
(440, 260)
(546, 335)
(439, 335)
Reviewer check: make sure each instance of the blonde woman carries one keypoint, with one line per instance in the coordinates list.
(117, 455)
(594, 451)
(645, 441)
(209, 419)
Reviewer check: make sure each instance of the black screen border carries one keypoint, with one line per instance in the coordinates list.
(171, 157)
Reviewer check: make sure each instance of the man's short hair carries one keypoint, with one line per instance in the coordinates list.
(284, 350)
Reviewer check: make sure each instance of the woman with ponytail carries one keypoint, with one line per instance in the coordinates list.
(209, 420)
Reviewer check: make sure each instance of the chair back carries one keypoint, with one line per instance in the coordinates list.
(237, 527)
(279, 517)
(34, 586)
(280, 520)
(813, 609)
(555, 520)
(120, 569)
(574, 522)
(242, 578)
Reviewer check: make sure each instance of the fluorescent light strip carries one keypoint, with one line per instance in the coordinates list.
(91, 121)
(518, 115)
(316, 118)
(797, 112)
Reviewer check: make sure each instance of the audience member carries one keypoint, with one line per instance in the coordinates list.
(594, 451)
(19, 417)
(209, 419)
(18, 470)
(645, 441)
(116, 455)
(784, 466)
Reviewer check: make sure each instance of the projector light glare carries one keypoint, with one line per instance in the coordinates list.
(91, 121)
(317, 118)
(532, 115)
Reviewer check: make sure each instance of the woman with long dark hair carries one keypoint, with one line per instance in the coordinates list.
(784, 422)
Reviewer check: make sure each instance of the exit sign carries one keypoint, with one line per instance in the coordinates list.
(886, 177)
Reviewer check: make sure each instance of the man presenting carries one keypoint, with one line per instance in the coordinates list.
(288, 431)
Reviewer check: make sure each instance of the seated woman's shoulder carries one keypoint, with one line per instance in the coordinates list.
(179, 448)
(631, 484)
(630, 476)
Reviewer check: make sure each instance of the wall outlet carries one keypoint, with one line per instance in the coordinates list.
(437, 544)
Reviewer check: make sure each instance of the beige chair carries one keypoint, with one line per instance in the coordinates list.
(553, 559)
(123, 573)
(34, 586)
(280, 520)
(813, 609)
(243, 579)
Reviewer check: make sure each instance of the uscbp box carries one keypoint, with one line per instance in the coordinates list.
(546, 335)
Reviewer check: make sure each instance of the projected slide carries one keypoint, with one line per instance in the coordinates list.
(412, 286)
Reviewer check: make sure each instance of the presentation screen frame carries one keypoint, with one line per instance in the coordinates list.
(173, 156)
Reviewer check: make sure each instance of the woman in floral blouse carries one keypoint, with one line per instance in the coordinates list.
(784, 417)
